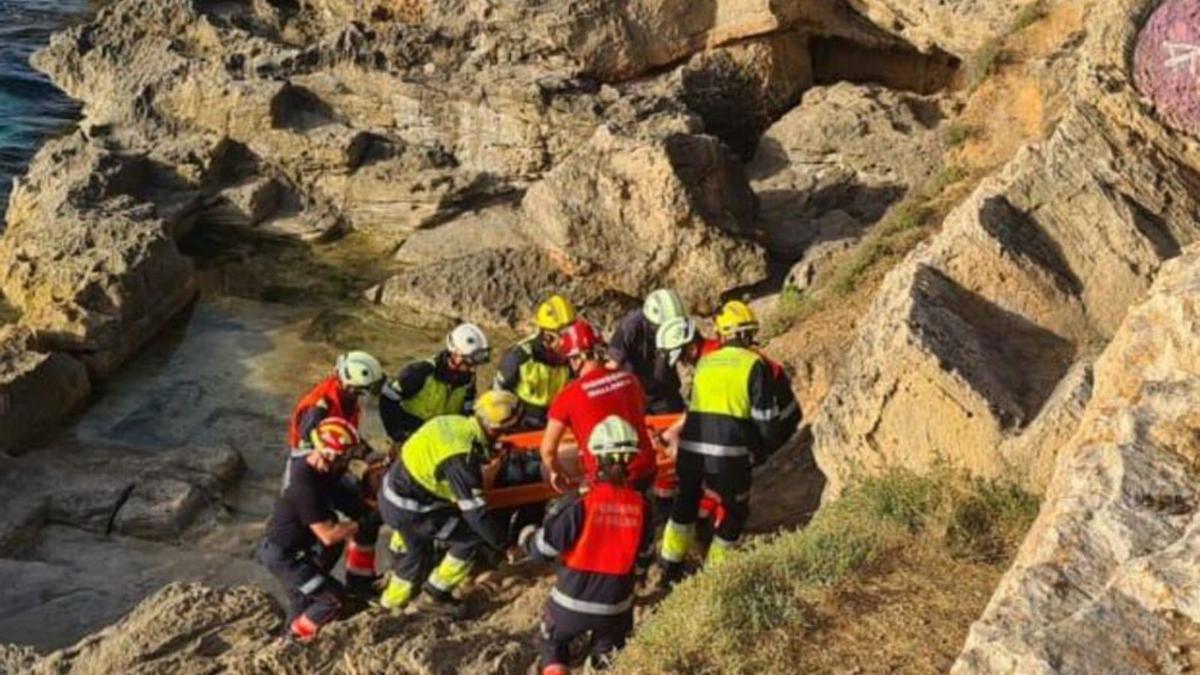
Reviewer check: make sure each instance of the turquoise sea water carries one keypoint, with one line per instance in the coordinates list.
(31, 109)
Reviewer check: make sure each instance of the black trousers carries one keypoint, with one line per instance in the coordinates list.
(729, 477)
(423, 533)
(561, 626)
(305, 575)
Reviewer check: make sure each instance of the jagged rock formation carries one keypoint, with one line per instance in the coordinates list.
(968, 339)
(832, 166)
(1106, 579)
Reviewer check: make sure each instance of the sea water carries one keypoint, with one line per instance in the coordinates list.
(31, 109)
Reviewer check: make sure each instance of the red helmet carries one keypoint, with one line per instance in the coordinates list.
(579, 338)
(336, 435)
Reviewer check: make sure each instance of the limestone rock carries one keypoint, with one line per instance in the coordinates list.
(92, 268)
(740, 89)
(488, 228)
(123, 490)
(959, 27)
(636, 214)
(1040, 262)
(244, 205)
(1106, 579)
(498, 287)
(853, 149)
(37, 389)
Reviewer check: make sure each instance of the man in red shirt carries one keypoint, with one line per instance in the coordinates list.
(595, 394)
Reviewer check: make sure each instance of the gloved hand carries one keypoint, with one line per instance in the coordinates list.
(527, 533)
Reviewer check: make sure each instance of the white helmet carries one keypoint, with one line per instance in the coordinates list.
(662, 306)
(359, 370)
(613, 438)
(674, 335)
(469, 342)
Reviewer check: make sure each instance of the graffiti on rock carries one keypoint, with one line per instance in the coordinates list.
(1183, 55)
(1166, 63)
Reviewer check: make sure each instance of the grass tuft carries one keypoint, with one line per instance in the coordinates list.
(722, 620)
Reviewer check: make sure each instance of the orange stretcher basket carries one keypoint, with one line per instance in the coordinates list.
(530, 441)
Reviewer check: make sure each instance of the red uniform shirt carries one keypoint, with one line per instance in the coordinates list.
(585, 402)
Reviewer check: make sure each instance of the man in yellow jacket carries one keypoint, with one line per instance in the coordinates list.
(433, 494)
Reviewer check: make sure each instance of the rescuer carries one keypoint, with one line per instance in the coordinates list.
(633, 348)
(601, 537)
(534, 369)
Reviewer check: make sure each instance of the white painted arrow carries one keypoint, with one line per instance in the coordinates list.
(1182, 54)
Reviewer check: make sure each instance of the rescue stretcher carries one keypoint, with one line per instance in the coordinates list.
(530, 441)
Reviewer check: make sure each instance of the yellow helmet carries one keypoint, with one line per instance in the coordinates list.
(498, 410)
(735, 319)
(555, 314)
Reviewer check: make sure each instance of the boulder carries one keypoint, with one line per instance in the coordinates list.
(93, 270)
(1106, 579)
(116, 489)
(634, 214)
(1036, 266)
(846, 150)
(488, 228)
(37, 389)
(500, 287)
(244, 205)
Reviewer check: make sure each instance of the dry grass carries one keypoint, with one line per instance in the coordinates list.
(900, 556)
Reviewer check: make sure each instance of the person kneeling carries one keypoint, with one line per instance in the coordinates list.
(433, 495)
(602, 536)
(304, 539)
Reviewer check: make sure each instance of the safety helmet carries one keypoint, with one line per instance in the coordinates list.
(555, 314)
(469, 342)
(335, 435)
(498, 410)
(613, 439)
(662, 306)
(736, 319)
(359, 370)
(674, 336)
(580, 338)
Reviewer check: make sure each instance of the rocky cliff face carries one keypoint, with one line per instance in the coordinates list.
(971, 340)
(1106, 580)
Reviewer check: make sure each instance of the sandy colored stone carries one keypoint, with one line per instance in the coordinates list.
(1106, 579)
(847, 149)
(1034, 268)
(37, 389)
(632, 215)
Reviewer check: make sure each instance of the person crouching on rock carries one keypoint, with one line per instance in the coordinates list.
(602, 536)
(441, 385)
(304, 538)
(534, 369)
(433, 495)
(343, 395)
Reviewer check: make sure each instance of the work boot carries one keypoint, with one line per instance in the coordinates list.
(672, 574)
(443, 602)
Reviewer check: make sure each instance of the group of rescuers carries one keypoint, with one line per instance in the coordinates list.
(429, 488)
